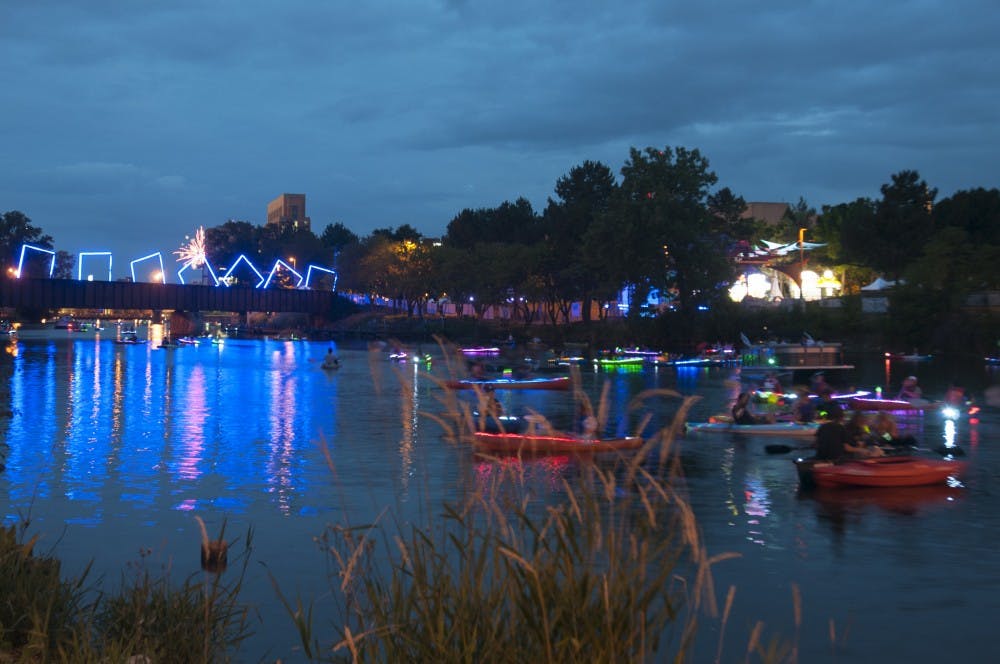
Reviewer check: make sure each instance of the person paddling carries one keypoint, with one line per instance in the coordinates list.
(741, 412)
(833, 440)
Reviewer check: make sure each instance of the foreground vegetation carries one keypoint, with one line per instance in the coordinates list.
(45, 618)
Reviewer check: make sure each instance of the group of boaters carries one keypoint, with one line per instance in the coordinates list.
(862, 435)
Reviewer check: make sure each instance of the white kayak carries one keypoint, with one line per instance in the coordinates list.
(792, 429)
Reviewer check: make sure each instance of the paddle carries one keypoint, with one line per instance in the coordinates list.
(777, 448)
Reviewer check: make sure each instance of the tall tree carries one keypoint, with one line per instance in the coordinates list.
(16, 229)
(337, 236)
(903, 222)
(673, 238)
(584, 195)
(976, 211)
(226, 243)
(65, 262)
(509, 222)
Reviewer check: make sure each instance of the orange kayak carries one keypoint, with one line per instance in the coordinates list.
(889, 471)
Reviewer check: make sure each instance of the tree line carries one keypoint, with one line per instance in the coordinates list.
(663, 224)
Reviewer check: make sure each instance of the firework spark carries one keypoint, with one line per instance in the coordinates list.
(192, 254)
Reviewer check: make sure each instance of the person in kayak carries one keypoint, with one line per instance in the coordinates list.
(834, 441)
(742, 415)
(886, 432)
(909, 390)
(804, 409)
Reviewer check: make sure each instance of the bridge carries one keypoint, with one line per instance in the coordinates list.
(40, 293)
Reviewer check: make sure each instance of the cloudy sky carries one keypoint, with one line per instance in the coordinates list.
(127, 124)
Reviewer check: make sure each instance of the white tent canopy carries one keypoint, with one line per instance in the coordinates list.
(784, 248)
(879, 284)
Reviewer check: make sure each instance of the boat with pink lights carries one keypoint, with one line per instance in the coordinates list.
(893, 405)
(555, 443)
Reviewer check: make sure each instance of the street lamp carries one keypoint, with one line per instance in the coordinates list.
(802, 261)
(291, 259)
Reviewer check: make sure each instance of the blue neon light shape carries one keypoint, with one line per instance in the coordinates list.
(79, 262)
(321, 269)
(280, 263)
(25, 247)
(225, 277)
(180, 273)
(158, 255)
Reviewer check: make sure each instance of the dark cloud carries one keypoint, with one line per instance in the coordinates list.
(140, 122)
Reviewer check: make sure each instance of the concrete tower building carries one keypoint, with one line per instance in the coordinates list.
(288, 211)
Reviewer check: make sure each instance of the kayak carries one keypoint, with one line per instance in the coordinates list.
(917, 405)
(559, 443)
(888, 471)
(793, 429)
(557, 383)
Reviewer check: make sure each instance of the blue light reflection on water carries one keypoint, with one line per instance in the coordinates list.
(112, 448)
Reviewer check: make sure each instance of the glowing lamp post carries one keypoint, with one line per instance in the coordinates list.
(802, 260)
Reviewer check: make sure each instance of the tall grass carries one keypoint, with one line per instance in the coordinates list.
(44, 618)
(614, 570)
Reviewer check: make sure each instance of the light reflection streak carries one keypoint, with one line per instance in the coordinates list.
(551, 467)
(283, 385)
(192, 429)
(757, 505)
(410, 415)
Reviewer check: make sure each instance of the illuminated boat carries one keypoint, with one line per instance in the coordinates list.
(558, 443)
(887, 471)
(908, 357)
(481, 350)
(403, 356)
(897, 405)
(667, 361)
(129, 339)
(790, 429)
(631, 360)
(555, 383)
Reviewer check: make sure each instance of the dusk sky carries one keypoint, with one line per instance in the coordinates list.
(126, 125)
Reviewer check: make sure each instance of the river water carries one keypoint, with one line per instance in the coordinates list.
(111, 450)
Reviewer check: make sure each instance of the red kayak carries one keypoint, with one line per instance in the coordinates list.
(560, 443)
(889, 471)
(558, 383)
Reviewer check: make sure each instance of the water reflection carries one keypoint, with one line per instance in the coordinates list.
(124, 439)
(410, 420)
(837, 505)
(282, 413)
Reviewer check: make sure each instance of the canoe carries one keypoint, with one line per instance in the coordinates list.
(918, 405)
(792, 429)
(888, 471)
(556, 383)
(560, 443)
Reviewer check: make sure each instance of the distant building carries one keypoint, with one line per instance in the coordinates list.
(771, 213)
(288, 211)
